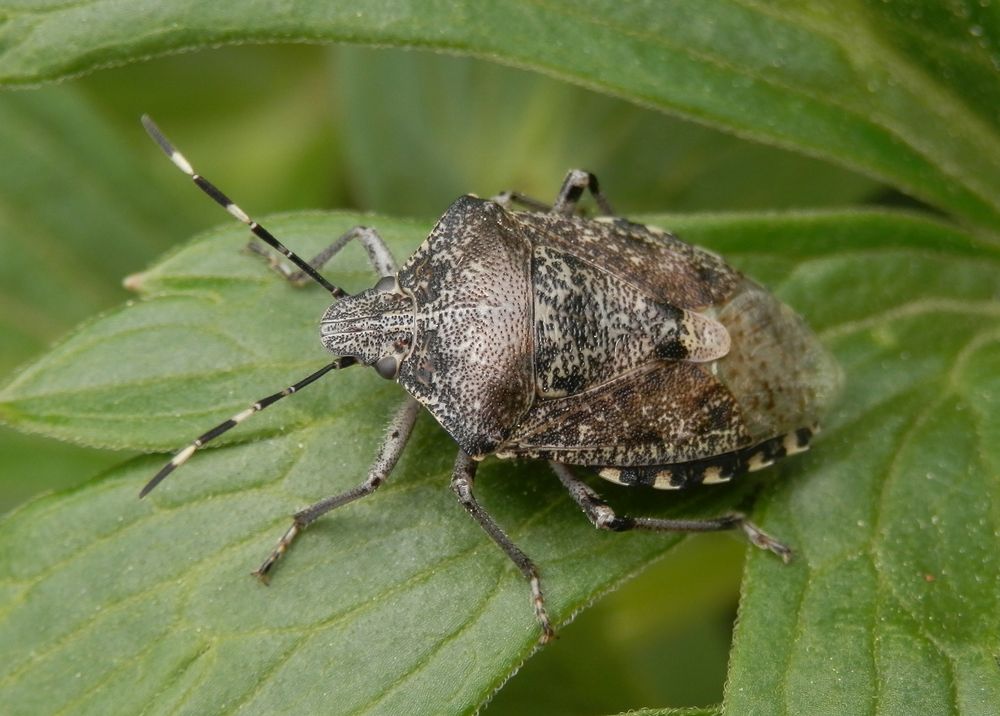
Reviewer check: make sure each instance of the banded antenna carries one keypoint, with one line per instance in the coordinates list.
(226, 203)
(182, 455)
(267, 237)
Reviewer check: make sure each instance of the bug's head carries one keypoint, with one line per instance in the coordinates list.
(374, 326)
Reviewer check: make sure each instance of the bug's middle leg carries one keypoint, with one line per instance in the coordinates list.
(398, 432)
(604, 517)
(379, 255)
(462, 480)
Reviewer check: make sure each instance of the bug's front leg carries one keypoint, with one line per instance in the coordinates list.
(392, 447)
(461, 482)
(603, 517)
(379, 255)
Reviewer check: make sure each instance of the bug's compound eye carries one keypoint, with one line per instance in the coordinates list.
(386, 283)
(387, 367)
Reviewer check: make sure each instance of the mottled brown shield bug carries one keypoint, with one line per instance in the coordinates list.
(597, 343)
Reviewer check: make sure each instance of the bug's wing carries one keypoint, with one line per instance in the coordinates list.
(664, 412)
(655, 262)
(591, 326)
(779, 371)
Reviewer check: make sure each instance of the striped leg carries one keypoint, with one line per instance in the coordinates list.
(603, 517)
(379, 255)
(183, 455)
(573, 186)
(225, 202)
(462, 480)
(398, 432)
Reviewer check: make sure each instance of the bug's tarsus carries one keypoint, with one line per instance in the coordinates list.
(576, 182)
(263, 572)
(379, 255)
(603, 517)
(226, 203)
(397, 434)
(183, 455)
(462, 479)
(763, 540)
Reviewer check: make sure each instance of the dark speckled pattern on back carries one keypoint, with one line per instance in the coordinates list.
(471, 363)
(591, 326)
(654, 261)
(667, 411)
(598, 342)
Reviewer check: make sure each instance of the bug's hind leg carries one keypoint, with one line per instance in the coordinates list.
(573, 186)
(462, 480)
(379, 255)
(392, 447)
(508, 198)
(603, 517)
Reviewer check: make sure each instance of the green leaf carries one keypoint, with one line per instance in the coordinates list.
(399, 603)
(861, 84)
(219, 328)
(894, 600)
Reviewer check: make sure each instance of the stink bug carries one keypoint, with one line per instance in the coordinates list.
(596, 343)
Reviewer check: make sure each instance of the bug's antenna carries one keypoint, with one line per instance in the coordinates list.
(182, 456)
(226, 203)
